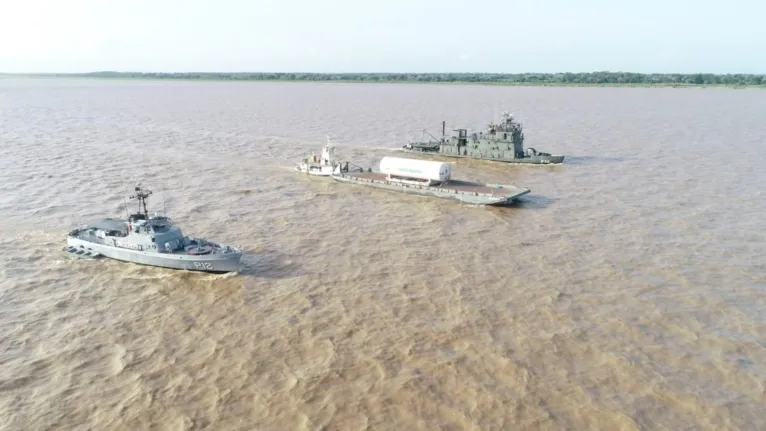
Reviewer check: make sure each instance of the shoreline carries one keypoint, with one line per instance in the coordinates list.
(425, 79)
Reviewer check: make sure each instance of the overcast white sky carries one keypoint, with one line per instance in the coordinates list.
(383, 36)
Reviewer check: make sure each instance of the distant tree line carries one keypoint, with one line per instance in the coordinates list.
(592, 78)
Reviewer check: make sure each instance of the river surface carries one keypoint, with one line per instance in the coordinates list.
(626, 291)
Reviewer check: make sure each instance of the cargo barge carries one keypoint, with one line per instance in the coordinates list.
(430, 178)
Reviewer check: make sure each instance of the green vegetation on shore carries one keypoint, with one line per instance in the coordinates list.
(552, 79)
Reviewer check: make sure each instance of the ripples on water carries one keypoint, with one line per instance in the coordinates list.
(626, 292)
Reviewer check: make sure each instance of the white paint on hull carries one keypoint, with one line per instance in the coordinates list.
(317, 170)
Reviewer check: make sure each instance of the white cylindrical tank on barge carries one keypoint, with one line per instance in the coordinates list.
(426, 170)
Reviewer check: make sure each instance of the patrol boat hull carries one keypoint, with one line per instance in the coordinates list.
(432, 179)
(203, 263)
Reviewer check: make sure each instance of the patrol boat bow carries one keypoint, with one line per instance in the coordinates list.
(154, 241)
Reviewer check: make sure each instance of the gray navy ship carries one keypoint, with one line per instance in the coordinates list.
(154, 241)
(503, 142)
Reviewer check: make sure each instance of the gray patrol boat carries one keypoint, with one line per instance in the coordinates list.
(503, 142)
(430, 178)
(154, 241)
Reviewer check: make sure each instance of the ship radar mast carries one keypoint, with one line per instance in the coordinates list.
(141, 196)
(328, 151)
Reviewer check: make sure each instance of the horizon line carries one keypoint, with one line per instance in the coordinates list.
(380, 73)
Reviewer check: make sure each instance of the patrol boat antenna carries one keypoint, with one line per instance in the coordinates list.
(141, 196)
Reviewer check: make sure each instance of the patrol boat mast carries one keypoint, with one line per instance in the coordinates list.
(141, 196)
